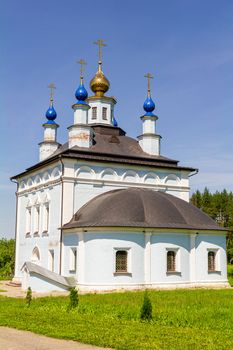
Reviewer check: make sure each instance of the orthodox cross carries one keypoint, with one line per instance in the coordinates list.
(82, 64)
(148, 76)
(100, 43)
(52, 87)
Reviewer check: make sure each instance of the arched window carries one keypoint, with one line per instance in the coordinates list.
(211, 261)
(171, 261)
(121, 261)
(35, 255)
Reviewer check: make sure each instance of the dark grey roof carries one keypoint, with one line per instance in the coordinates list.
(137, 207)
(111, 145)
(52, 276)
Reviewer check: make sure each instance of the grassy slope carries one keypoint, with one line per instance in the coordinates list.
(183, 319)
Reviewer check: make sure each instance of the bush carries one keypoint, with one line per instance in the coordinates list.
(29, 296)
(73, 299)
(146, 309)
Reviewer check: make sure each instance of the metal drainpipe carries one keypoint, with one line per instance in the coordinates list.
(61, 234)
(16, 216)
(194, 173)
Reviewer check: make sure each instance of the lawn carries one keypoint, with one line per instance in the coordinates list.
(182, 319)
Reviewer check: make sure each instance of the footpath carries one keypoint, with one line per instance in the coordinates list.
(13, 339)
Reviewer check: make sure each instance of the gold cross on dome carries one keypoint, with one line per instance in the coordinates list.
(148, 76)
(82, 64)
(52, 87)
(100, 43)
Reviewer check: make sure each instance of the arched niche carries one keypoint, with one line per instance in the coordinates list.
(22, 185)
(37, 180)
(29, 182)
(55, 173)
(35, 255)
(46, 176)
(85, 172)
(171, 180)
(108, 175)
(130, 176)
(151, 178)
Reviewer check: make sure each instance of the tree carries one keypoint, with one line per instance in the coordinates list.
(29, 296)
(7, 257)
(73, 299)
(146, 309)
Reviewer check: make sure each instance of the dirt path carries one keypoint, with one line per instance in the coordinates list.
(13, 339)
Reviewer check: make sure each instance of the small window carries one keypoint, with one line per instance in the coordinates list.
(73, 259)
(28, 221)
(211, 261)
(46, 219)
(121, 261)
(36, 220)
(51, 260)
(94, 112)
(171, 261)
(104, 113)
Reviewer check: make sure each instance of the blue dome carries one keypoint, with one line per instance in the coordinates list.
(149, 105)
(51, 114)
(81, 93)
(115, 122)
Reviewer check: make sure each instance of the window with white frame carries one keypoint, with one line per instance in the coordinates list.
(73, 259)
(28, 220)
(212, 260)
(104, 113)
(171, 261)
(94, 112)
(51, 260)
(121, 261)
(36, 219)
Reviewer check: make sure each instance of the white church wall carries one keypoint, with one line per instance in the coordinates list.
(160, 244)
(28, 239)
(70, 243)
(100, 250)
(216, 243)
(92, 179)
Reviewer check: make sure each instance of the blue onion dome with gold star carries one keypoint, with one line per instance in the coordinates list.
(81, 93)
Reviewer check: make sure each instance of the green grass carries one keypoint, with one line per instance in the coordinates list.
(2, 290)
(182, 319)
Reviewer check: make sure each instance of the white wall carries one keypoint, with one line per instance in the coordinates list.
(205, 242)
(40, 187)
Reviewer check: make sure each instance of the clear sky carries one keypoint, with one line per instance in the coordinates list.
(186, 44)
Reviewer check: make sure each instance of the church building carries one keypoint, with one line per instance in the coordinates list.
(105, 211)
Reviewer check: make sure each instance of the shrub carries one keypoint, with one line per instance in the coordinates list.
(73, 298)
(29, 296)
(146, 309)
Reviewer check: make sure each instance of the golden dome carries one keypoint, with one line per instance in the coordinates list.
(99, 84)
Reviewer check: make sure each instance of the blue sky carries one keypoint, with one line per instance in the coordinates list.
(186, 44)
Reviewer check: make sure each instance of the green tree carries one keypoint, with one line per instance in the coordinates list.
(146, 309)
(29, 296)
(7, 257)
(73, 299)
